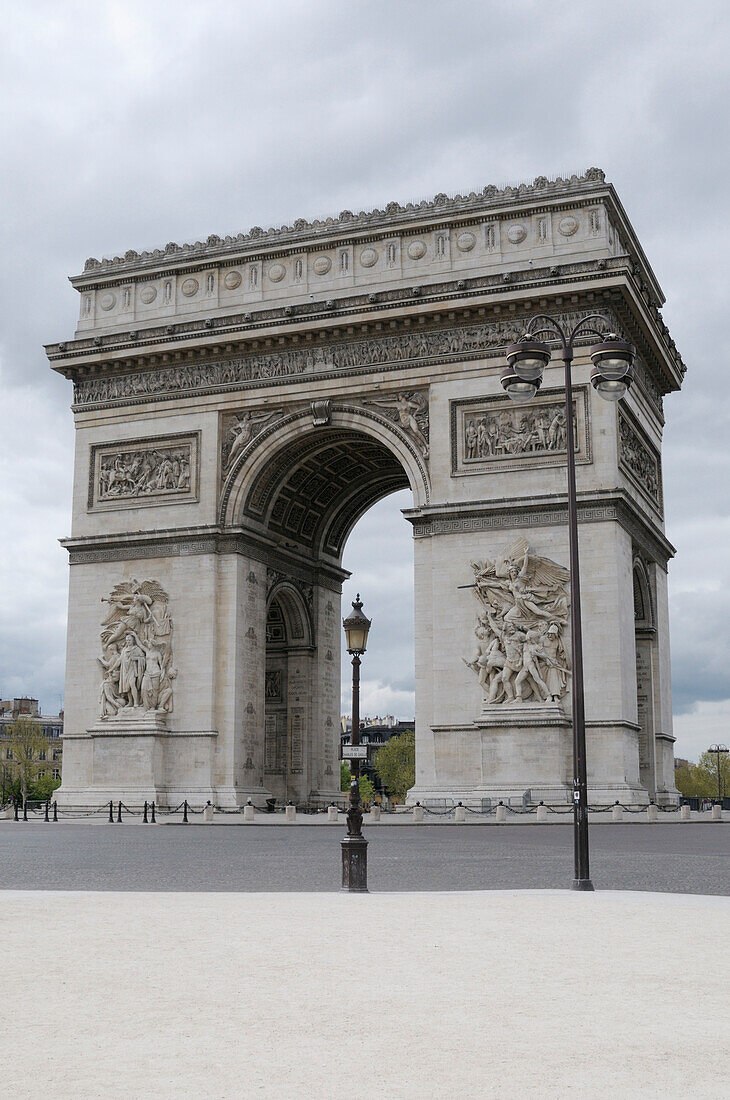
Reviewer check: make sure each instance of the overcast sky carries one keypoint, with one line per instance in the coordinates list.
(127, 125)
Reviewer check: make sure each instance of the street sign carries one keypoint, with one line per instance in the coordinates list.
(354, 752)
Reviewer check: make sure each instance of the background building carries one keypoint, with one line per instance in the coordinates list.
(51, 758)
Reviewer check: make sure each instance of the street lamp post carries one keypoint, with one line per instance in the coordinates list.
(719, 751)
(611, 377)
(355, 846)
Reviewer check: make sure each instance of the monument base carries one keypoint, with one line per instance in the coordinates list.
(125, 757)
(522, 754)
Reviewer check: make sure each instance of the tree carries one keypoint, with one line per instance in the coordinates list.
(395, 764)
(700, 780)
(26, 743)
(367, 790)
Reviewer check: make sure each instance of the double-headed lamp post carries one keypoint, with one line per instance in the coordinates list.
(355, 846)
(611, 377)
(719, 751)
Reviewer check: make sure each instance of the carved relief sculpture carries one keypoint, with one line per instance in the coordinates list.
(134, 473)
(516, 432)
(490, 431)
(523, 614)
(136, 646)
(238, 433)
(639, 459)
(143, 471)
(410, 412)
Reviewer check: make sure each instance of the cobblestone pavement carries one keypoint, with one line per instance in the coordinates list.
(692, 859)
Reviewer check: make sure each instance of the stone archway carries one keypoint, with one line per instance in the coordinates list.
(295, 493)
(240, 403)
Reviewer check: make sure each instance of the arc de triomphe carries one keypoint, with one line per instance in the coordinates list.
(241, 402)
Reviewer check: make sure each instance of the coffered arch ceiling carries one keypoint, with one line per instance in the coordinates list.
(318, 485)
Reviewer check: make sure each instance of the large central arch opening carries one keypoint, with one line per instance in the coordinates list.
(305, 493)
(318, 487)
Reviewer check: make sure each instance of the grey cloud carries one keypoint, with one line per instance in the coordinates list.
(130, 125)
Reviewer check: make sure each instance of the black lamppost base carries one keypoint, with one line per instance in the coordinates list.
(355, 864)
(582, 884)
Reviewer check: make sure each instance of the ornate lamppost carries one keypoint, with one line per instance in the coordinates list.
(719, 751)
(611, 377)
(355, 846)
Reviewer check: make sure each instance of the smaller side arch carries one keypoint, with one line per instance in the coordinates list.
(644, 617)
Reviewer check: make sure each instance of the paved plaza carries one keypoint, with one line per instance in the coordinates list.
(680, 858)
(479, 994)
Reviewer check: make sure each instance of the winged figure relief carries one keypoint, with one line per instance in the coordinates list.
(523, 614)
(136, 643)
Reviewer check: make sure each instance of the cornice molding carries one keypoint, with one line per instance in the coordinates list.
(193, 541)
(547, 511)
(214, 248)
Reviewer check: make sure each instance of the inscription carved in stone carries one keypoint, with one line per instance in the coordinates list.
(523, 612)
(136, 651)
(639, 459)
(149, 471)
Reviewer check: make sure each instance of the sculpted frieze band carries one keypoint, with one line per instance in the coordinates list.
(343, 355)
(523, 614)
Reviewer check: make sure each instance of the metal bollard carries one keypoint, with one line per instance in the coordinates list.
(685, 812)
(652, 812)
(542, 814)
(16, 809)
(290, 812)
(185, 813)
(111, 812)
(717, 812)
(119, 813)
(152, 820)
(55, 810)
(617, 812)
(249, 811)
(144, 816)
(25, 810)
(501, 815)
(417, 814)
(374, 813)
(460, 814)
(48, 806)
(332, 813)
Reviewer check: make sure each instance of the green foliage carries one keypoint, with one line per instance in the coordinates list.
(44, 787)
(367, 790)
(26, 742)
(395, 764)
(700, 780)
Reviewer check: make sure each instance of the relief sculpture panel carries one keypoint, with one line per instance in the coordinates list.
(491, 432)
(136, 652)
(639, 459)
(522, 618)
(143, 471)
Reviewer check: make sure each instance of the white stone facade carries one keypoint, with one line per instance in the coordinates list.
(240, 403)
